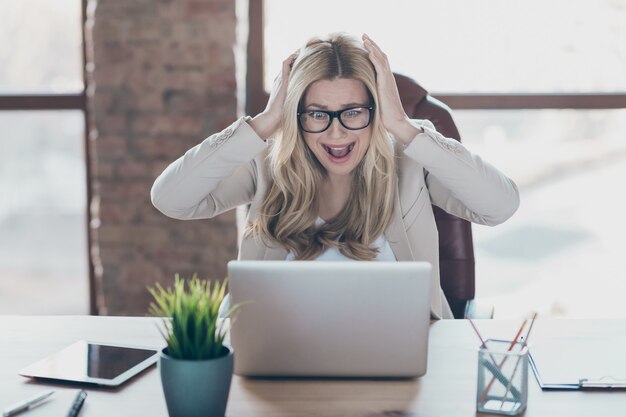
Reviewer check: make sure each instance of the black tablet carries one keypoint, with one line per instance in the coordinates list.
(94, 363)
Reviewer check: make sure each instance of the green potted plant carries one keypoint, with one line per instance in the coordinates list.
(196, 367)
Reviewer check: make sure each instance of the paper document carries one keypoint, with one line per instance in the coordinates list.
(580, 362)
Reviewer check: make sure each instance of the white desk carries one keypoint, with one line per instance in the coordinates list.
(447, 390)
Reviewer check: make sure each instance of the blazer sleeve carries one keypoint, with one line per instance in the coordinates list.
(460, 182)
(214, 176)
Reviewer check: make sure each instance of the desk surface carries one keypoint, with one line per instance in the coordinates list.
(448, 389)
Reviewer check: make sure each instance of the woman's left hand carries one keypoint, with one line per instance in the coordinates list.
(390, 107)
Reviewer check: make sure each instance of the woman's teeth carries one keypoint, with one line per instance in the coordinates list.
(339, 152)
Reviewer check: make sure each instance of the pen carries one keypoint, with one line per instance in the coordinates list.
(26, 405)
(77, 404)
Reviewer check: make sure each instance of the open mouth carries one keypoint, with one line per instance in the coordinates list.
(339, 152)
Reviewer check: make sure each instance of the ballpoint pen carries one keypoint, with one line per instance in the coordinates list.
(77, 404)
(26, 405)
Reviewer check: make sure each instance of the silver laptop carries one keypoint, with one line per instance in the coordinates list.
(330, 319)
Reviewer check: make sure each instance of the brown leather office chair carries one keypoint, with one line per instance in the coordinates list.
(456, 249)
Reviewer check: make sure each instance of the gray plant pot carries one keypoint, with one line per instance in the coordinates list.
(196, 388)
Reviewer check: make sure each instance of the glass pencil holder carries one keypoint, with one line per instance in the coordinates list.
(502, 386)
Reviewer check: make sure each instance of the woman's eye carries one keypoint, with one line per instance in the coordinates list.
(318, 115)
(353, 113)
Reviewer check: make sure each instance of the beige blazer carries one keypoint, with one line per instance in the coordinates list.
(229, 169)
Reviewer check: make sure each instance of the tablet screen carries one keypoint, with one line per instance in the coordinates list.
(92, 362)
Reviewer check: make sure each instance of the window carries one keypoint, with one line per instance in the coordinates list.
(533, 46)
(43, 197)
(40, 47)
(560, 253)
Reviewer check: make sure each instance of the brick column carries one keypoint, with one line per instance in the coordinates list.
(161, 77)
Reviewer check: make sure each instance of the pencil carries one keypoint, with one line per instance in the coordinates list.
(524, 344)
(482, 341)
(493, 379)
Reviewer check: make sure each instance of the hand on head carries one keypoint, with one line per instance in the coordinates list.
(390, 107)
(267, 122)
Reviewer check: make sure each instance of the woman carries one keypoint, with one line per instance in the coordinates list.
(334, 169)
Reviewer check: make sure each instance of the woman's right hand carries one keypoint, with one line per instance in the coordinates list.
(267, 122)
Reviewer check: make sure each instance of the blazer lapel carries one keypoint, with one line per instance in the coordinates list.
(396, 233)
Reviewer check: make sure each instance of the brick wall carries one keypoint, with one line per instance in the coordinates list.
(161, 77)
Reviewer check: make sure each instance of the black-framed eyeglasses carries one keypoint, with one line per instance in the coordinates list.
(353, 118)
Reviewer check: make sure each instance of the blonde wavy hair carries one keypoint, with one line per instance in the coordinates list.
(288, 213)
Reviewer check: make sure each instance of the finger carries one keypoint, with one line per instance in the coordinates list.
(374, 45)
(291, 57)
(367, 43)
(379, 63)
(288, 62)
(376, 56)
(372, 52)
(366, 38)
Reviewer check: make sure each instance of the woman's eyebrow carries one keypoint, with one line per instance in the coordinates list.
(319, 106)
(345, 106)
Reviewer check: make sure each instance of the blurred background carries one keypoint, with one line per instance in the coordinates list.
(559, 255)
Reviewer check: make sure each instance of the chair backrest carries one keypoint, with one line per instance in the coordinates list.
(456, 249)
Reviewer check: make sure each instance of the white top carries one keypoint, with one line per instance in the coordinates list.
(385, 254)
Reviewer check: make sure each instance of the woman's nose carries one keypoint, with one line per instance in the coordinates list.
(336, 129)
